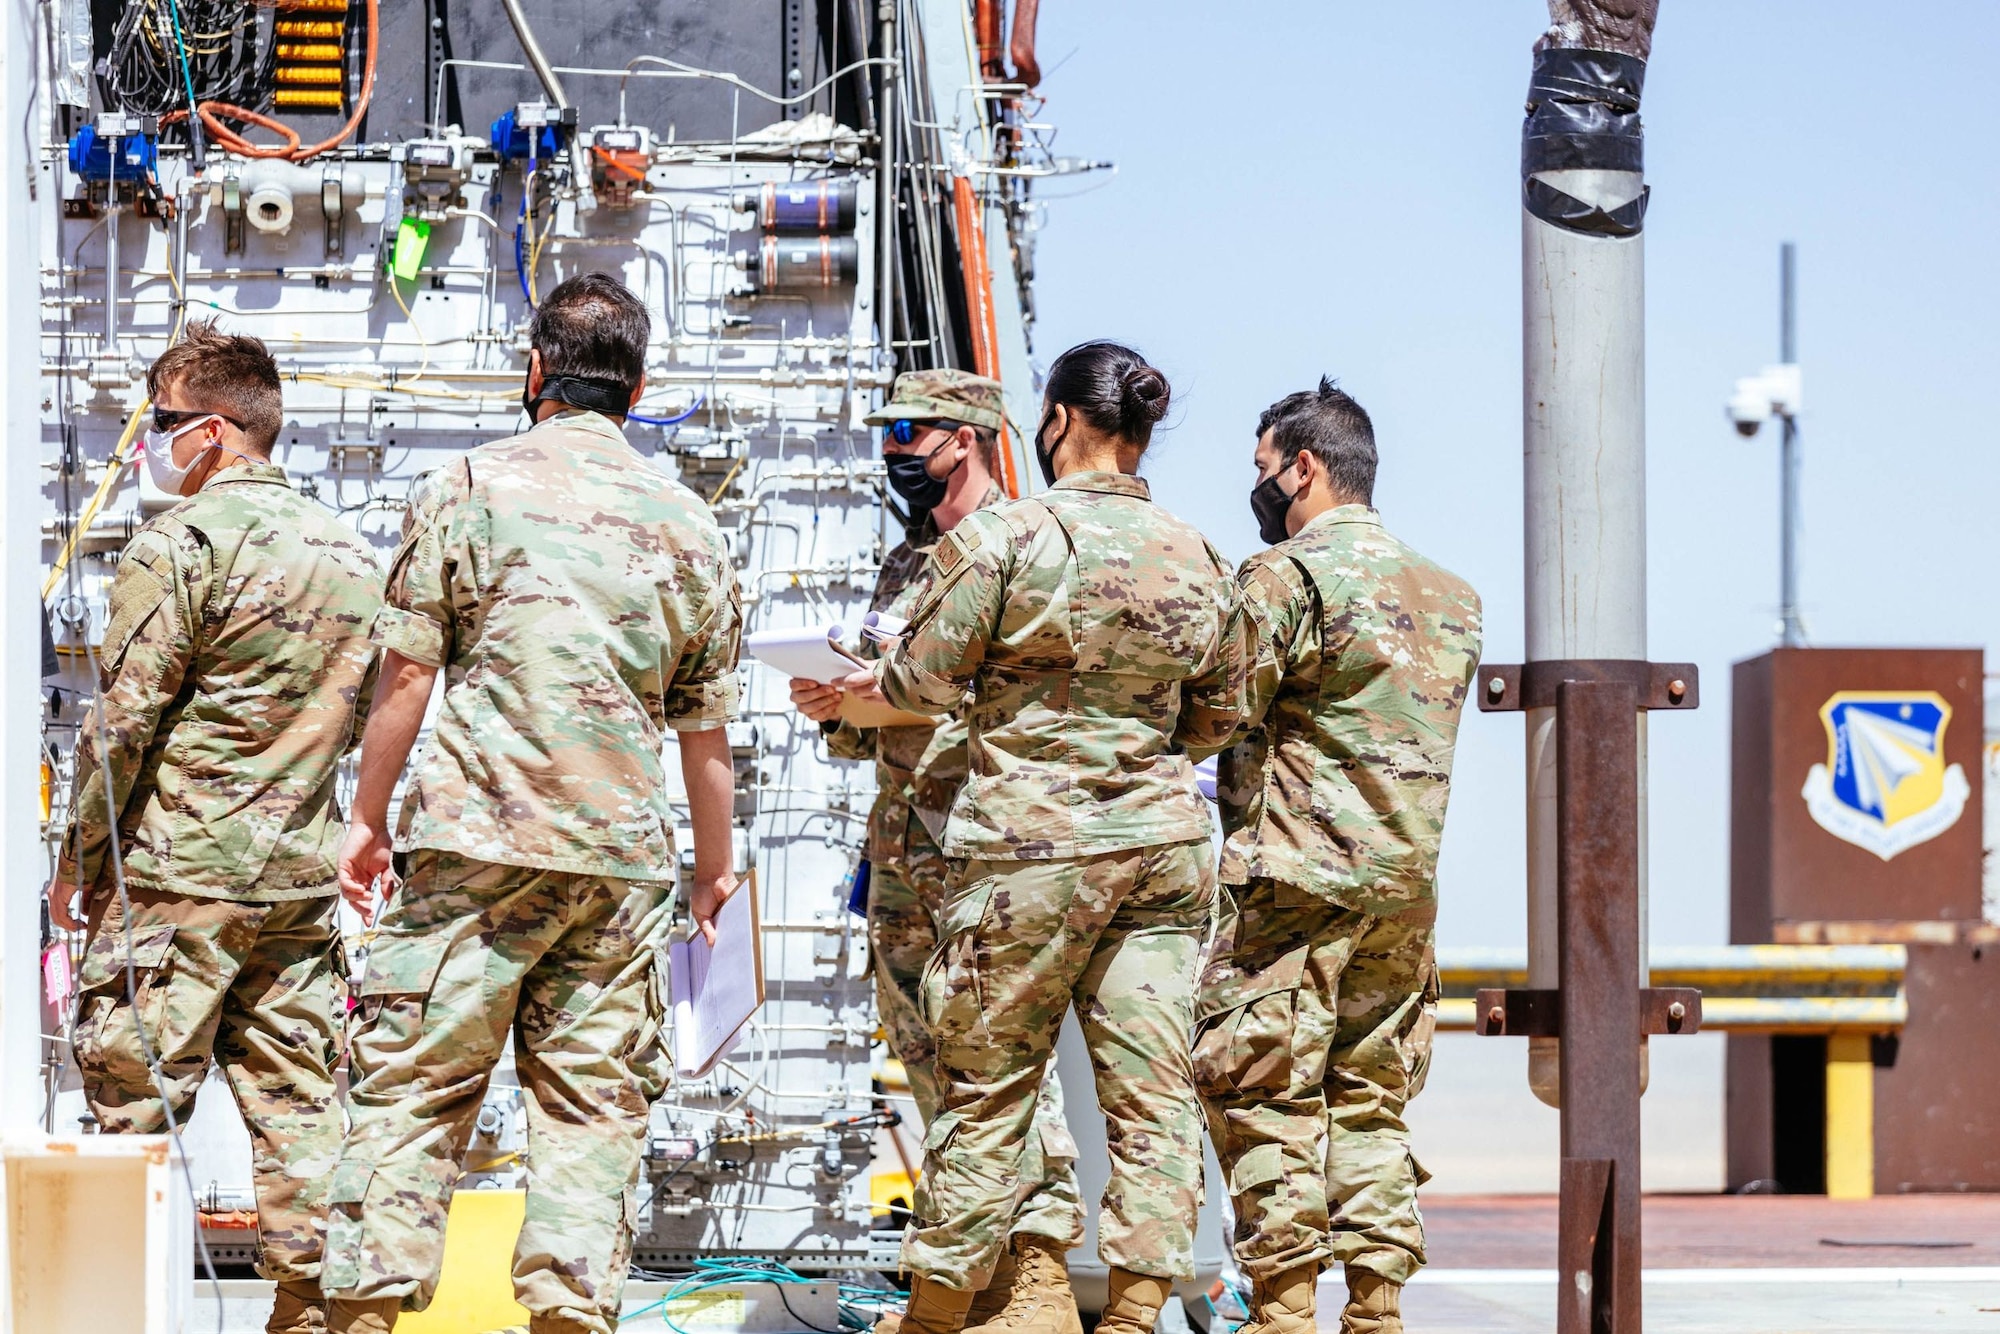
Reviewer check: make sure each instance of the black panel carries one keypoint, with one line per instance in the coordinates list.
(744, 37)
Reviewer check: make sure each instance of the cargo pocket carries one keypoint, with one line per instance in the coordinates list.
(346, 1193)
(1244, 1025)
(107, 1037)
(949, 993)
(1417, 1047)
(402, 970)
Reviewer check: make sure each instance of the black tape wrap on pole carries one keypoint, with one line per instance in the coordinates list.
(1583, 114)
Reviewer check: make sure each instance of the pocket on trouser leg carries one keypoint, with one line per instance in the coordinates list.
(402, 971)
(346, 1194)
(953, 1006)
(1422, 1038)
(107, 1035)
(1245, 1025)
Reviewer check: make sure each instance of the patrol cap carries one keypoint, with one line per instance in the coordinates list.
(954, 395)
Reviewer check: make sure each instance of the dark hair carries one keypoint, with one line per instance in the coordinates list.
(230, 374)
(1112, 388)
(1334, 427)
(592, 327)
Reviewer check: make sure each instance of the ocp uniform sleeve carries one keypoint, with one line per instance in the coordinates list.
(928, 670)
(1213, 702)
(147, 650)
(701, 689)
(418, 618)
(1279, 600)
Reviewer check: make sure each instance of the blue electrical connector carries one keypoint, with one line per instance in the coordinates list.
(515, 142)
(138, 156)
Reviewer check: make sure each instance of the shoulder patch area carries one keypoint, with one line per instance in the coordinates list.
(957, 547)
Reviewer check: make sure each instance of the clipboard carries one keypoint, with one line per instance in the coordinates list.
(867, 713)
(715, 990)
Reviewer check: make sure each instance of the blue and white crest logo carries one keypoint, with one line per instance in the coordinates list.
(1884, 786)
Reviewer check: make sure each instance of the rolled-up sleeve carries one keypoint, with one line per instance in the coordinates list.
(417, 617)
(928, 670)
(701, 690)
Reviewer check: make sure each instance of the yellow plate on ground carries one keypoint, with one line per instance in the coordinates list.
(476, 1291)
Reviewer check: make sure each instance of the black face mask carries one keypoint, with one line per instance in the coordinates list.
(910, 477)
(1270, 504)
(1045, 454)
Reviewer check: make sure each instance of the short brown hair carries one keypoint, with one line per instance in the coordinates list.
(230, 374)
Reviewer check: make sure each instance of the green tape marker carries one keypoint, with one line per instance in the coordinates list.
(413, 237)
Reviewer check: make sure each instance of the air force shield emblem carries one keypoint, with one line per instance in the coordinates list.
(1885, 786)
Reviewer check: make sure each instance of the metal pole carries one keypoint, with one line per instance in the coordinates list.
(885, 209)
(1583, 344)
(1792, 631)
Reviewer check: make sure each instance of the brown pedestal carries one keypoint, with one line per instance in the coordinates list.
(1846, 828)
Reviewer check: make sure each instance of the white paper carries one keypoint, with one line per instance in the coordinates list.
(883, 628)
(807, 651)
(715, 989)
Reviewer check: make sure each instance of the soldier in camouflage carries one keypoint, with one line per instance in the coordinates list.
(940, 443)
(228, 677)
(581, 606)
(1101, 640)
(1318, 998)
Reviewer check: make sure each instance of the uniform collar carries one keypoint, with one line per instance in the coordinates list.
(1356, 514)
(925, 535)
(585, 419)
(269, 473)
(1109, 483)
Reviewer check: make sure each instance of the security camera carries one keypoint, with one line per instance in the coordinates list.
(1749, 408)
(1774, 391)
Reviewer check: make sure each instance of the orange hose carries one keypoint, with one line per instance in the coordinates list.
(213, 112)
(979, 313)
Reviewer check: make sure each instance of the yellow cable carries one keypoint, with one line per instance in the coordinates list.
(113, 469)
(423, 343)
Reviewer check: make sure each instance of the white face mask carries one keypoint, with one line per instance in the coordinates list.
(166, 474)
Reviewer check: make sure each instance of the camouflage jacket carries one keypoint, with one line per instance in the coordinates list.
(917, 769)
(1339, 781)
(230, 672)
(580, 603)
(1102, 639)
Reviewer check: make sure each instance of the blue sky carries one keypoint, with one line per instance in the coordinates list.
(1310, 187)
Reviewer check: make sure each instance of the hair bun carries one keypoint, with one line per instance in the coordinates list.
(1145, 394)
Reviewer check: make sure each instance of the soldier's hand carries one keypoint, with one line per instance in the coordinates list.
(61, 911)
(365, 863)
(707, 898)
(816, 700)
(863, 685)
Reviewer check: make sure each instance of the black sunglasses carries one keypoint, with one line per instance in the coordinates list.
(166, 419)
(905, 430)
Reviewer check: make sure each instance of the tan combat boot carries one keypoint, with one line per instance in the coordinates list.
(933, 1309)
(1374, 1305)
(1134, 1303)
(1039, 1300)
(374, 1315)
(300, 1308)
(999, 1290)
(1286, 1302)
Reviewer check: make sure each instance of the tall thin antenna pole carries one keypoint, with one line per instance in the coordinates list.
(1791, 630)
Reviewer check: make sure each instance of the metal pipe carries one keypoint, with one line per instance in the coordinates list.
(1583, 339)
(532, 49)
(885, 209)
(1791, 628)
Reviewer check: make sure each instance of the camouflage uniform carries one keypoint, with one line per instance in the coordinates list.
(1088, 878)
(1318, 999)
(580, 604)
(236, 652)
(918, 771)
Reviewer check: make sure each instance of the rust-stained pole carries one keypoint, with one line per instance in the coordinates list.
(1587, 681)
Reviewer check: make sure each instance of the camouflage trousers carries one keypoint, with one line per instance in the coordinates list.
(1118, 936)
(255, 987)
(904, 900)
(466, 952)
(1315, 1032)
